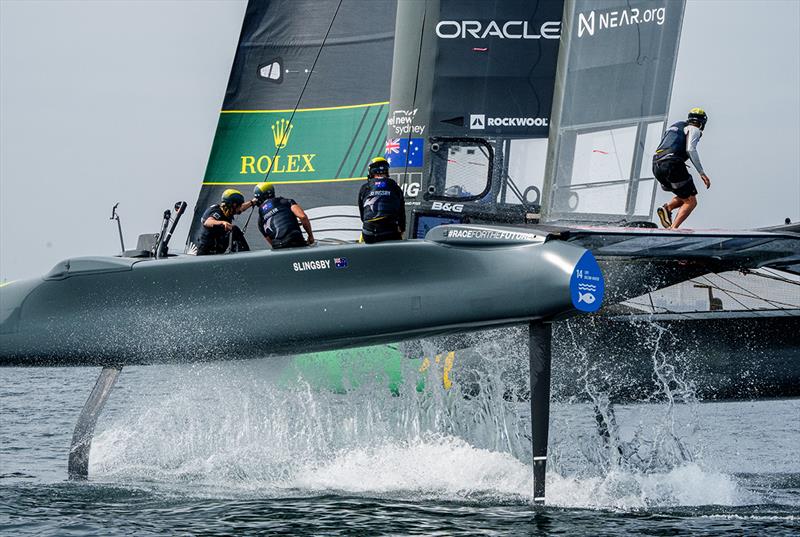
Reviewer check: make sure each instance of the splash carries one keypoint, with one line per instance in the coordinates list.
(228, 429)
(688, 485)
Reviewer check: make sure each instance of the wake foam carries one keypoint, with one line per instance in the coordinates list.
(229, 431)
(684, 486)
(437, 467)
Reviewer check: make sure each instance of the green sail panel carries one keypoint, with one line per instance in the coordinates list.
(305, 107)
(304, 147)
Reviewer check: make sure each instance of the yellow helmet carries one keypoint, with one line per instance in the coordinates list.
(232, 197)
(378, 165)
(698, 116)
(263, 191)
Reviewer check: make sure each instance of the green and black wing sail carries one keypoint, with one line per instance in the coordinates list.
(305, 109)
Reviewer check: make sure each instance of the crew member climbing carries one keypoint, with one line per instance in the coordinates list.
(381, 204)
(218, 234)
(278, 219)
(678, 145)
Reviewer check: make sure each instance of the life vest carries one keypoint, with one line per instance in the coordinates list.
(382, 205)
(673, 143)
(213, 240)
(276, 219)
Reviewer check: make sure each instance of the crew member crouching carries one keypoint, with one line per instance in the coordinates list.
(381, 204)
(218, 232)
(278, 219)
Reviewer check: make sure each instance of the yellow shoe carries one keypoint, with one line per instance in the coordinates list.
(665, 216)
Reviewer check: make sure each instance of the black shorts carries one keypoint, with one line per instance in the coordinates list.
(674, 177)
(389, 236)
(294, 240)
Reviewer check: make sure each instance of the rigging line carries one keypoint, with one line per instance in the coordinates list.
(731, 293)
(652, 306)
(302, 91)
(778, 304)
(775, 303)
(516, 191)
(247, 222)
(748, 294)
(714, 286)
(297, 105)
(772, 276)
(416, 82)
(616, 153)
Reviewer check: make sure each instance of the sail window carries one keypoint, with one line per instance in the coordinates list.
(604, 155)
(605, 169)
(526, 162)
(461, 168)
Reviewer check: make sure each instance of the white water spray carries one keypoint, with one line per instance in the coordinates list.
(228, 429)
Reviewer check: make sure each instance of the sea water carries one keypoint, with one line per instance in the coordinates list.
(221, 449)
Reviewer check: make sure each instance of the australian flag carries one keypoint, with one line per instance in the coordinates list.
(340, 262)
(402, 152)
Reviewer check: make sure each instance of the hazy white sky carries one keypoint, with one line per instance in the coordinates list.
(105, 101)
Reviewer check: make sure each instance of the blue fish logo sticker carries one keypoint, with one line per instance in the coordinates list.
(586, 286)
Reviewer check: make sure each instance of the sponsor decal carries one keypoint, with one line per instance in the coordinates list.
(492, 234)
(280, 133)
(500, 29)
(405, 152)
(410, 183)
(317, 142)
(449, 207)
(402, 122)
(589, 23)
(410, 189)
(477, 121)
(340, 262)
(279, 163)
(271, 71)
(317, 264)
(480, 121)
(392, 146)
(586, 284)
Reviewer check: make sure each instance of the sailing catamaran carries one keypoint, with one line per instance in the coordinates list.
(541, 114)
(514, 128)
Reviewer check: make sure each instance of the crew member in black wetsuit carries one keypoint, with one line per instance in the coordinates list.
(381, 204)
(678, 145)
(277, 219)
(217, 231)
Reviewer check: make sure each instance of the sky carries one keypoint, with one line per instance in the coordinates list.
(117, 101)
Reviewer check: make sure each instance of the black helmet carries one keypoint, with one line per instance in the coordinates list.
(378, 166)
(232, 197)
(698, 116)
(263, 192)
